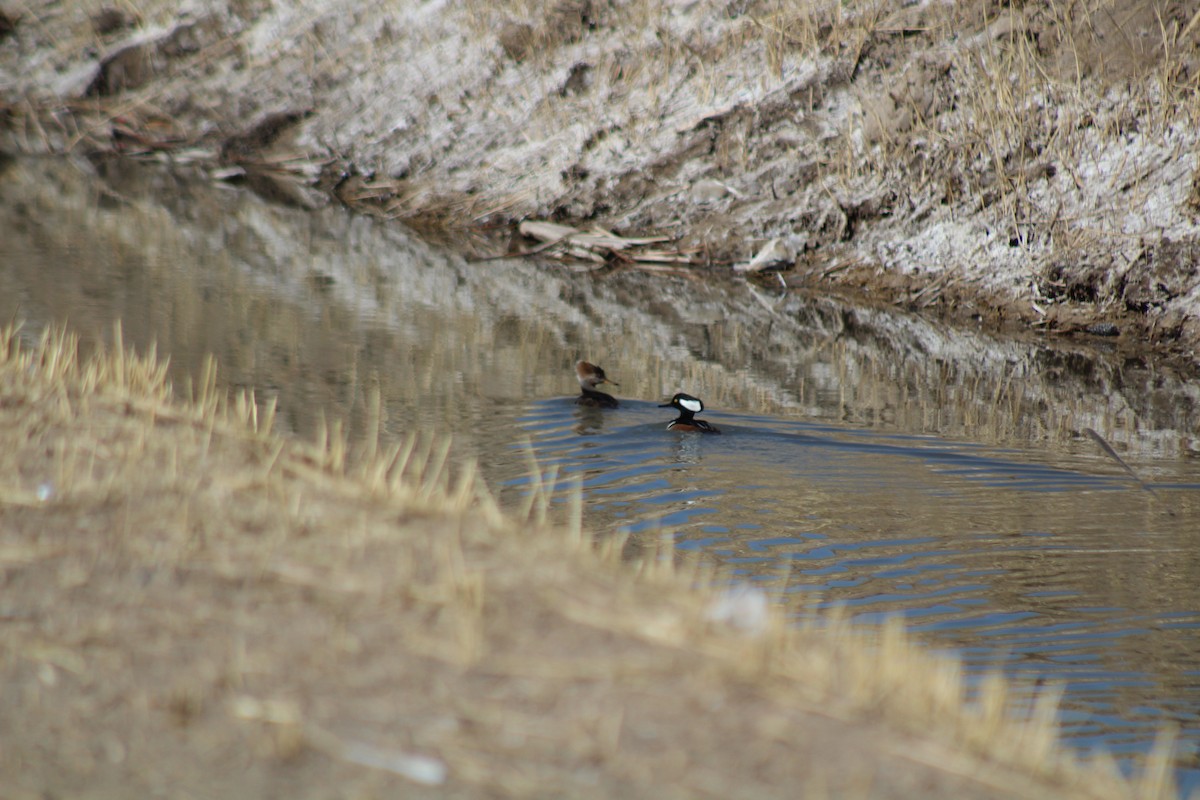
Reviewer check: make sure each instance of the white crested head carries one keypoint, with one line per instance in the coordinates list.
(691, 404)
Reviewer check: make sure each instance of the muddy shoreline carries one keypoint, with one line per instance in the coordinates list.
(1016, 169)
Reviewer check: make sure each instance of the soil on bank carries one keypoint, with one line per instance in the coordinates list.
(194, 607)
(1000, 164)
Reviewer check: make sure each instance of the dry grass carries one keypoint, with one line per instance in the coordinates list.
(261, 615)
(841, 124)
(1030, 90)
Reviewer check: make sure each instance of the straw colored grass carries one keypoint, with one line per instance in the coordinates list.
(195, 606)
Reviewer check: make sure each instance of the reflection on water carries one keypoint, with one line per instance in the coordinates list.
(868, 459)
(1051, 567)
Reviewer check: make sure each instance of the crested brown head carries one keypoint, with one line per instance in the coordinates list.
(590, 376)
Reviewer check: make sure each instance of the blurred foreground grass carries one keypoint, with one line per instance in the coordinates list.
(196, 607)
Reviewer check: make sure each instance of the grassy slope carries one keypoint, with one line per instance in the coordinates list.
(197, 607)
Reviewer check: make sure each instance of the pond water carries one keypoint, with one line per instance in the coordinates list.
(867, 458)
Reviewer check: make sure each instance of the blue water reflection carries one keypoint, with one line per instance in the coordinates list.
(1046, 567)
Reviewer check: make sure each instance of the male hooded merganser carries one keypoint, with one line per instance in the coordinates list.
(688, 407)
(590, 376)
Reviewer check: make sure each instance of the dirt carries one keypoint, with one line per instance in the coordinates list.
(195, 607)
(1012, 166)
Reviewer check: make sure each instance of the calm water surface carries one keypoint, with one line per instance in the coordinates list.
(867, 459)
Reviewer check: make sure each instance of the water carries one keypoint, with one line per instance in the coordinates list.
(1045, 566)
(868, 459)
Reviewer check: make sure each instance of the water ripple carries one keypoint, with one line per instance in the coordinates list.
(1048, 568)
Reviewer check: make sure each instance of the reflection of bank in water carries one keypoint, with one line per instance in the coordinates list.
(315, 307)
(325, 312)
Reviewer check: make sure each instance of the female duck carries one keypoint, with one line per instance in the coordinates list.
(590, 376)
(688, 407)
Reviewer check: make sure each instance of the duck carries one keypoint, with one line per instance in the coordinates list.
(590, 376)
(688, 407)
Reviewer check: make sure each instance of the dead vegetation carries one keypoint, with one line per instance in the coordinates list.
(999, 164)
(198, 607)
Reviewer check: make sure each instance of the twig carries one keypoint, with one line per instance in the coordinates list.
(1107, 448)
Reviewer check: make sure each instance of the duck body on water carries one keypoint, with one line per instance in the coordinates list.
(688, 407)
(591, 375)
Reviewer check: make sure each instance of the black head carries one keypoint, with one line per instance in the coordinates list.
(685, 403)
